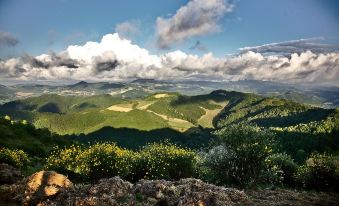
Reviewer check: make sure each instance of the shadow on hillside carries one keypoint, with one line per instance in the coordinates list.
(299, 143)
(133, 138)
(217, 96)
(316, 114)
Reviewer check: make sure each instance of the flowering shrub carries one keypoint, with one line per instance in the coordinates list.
(165, 161)
(93, 162)
(106, 160)
(14, 157)
(154, 161)
(318, 172)
(281, 169)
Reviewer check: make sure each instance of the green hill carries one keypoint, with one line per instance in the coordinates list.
(21, 135)
(85, 114)
(300, 128)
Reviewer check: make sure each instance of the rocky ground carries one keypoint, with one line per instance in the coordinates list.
(50, 188)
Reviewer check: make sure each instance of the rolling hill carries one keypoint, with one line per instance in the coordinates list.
(85, 114)
(187, 120)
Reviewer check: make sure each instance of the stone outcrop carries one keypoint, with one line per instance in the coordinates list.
(47, 188)
(44, 185)
(115, 191)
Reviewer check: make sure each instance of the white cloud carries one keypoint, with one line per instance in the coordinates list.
(115, 58)
(198, 17)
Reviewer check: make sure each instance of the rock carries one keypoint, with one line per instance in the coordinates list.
(43, 185)
(115, 191)
(10, 194)
(187, 192)
(9, 174)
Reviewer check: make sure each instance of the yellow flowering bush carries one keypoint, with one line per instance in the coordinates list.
(93, 162)
(154, 161)
(105, 160)
(14, 157)
(165, 161)
(318, 172)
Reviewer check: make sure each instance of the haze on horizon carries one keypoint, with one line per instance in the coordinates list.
(63, 41)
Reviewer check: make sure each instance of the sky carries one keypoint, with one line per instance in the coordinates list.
(293, 41)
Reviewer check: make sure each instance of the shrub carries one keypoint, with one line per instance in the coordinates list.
(106, 160)
(318, 172)
(65, 161)
(102, 160)
(15, 157)
(247, 148)
(92, 163)
(217, 165)
(165, 161)
(282, 168)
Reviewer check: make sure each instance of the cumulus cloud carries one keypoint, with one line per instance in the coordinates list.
(7, 40)
(116, 58)
(315, 45)
(198, 17)
(128, 28)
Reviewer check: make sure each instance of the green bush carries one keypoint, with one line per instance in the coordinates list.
(15, 157)
(102, 160)
(218, 165)
(165, 161)
(317, 173)
(282, 168)
(106, 160)
(92, 163)
(243, 161)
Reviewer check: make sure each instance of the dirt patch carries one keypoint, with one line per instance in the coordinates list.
(206, 120)
(121, 107)
(23, 94)
(143, 105)
(280, 197)
(178, 124)
(158, 96)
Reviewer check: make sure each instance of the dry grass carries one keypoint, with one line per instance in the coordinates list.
(206, 120)
(178, 124)
(158, 96)
(121, 107)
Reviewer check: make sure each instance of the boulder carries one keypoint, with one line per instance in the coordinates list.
(44, 185)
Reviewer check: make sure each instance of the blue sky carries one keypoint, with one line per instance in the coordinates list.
(45, 25)
(290, 41)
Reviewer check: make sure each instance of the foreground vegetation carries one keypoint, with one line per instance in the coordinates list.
(240, 155)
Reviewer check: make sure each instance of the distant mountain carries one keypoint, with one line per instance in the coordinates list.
(143, 81)
(95, 86)
(4, 90)
(327, 97)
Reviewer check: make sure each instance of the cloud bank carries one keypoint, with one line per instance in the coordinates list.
(198, 17)
(117, 59)
(314, 45)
